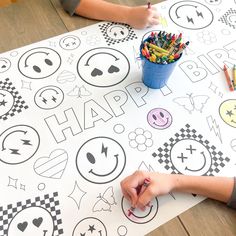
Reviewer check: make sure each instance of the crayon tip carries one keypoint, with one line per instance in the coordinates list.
(225, 68)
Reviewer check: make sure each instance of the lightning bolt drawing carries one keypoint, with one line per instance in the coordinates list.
(15, 151)
(26, 142)
(54, 99)
(104, 150)
(190, 19)
(199, 14)
(214, 126)
(45, 100)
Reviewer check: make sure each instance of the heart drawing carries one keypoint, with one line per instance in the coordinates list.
(52, 166)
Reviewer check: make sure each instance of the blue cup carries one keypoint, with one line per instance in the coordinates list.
(156, 75)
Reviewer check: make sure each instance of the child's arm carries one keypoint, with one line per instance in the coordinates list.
(219, 188)
(137, 17)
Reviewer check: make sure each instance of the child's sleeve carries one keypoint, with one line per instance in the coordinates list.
(70, 5)
(232, 201)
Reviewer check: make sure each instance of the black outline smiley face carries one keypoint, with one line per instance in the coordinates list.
(189, 156)
(138, 216)
(101, 67)
(33, 220)
(5, 64)
(100, 160)
(39, 63)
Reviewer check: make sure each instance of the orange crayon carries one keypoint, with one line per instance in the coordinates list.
(228, 80)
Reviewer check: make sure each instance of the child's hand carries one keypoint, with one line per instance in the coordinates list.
(141, 17)
(160, 184)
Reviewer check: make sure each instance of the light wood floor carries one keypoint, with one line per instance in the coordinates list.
(29, 21)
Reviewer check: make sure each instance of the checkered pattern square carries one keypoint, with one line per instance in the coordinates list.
(226, 18)
(19, 103)
(111, 41)
(48, 202)
(163, 153)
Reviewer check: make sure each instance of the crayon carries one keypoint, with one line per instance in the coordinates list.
(182, 48)
(234, 73)
(228, 80)
(149, 4)
(140, 190)
(159, 49)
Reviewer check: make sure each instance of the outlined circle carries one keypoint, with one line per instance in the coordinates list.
(41, 186)
(100, 160)
(18, 144)
(5, 64)
(84, 33)
(69, 42)
(138, 216)
(119, 128)
(13, 53)
(89, 224)
(186, 154)
(122, 230)
(34, 220)
(193, 17)
(225, 32)
(39, 63)
(49, 97)
(159, 118)
(7, 101)
(227, 112)
(103, 67)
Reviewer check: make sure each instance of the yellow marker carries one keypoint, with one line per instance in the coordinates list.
(234, 72)
(157, 48)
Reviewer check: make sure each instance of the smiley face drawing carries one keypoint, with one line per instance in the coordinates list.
(5, 64)
(117, 31)
(103, 67)
(49, 97)
(138, 216)
(39, 63)
(100, 160)
(159, 118)
(70, 42)
(213, 2)
(231, 18)
(6, 102)
(90, 226)
(191, 15)
(18, 144)
(190, 157)
(227, 112)
(31, 221)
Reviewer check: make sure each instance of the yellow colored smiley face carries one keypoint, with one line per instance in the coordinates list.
(228, 112)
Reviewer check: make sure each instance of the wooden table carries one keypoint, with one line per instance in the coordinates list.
(29, 21)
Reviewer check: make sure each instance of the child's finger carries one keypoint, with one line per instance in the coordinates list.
(154, 21)
(131, 196)
(144, 198)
